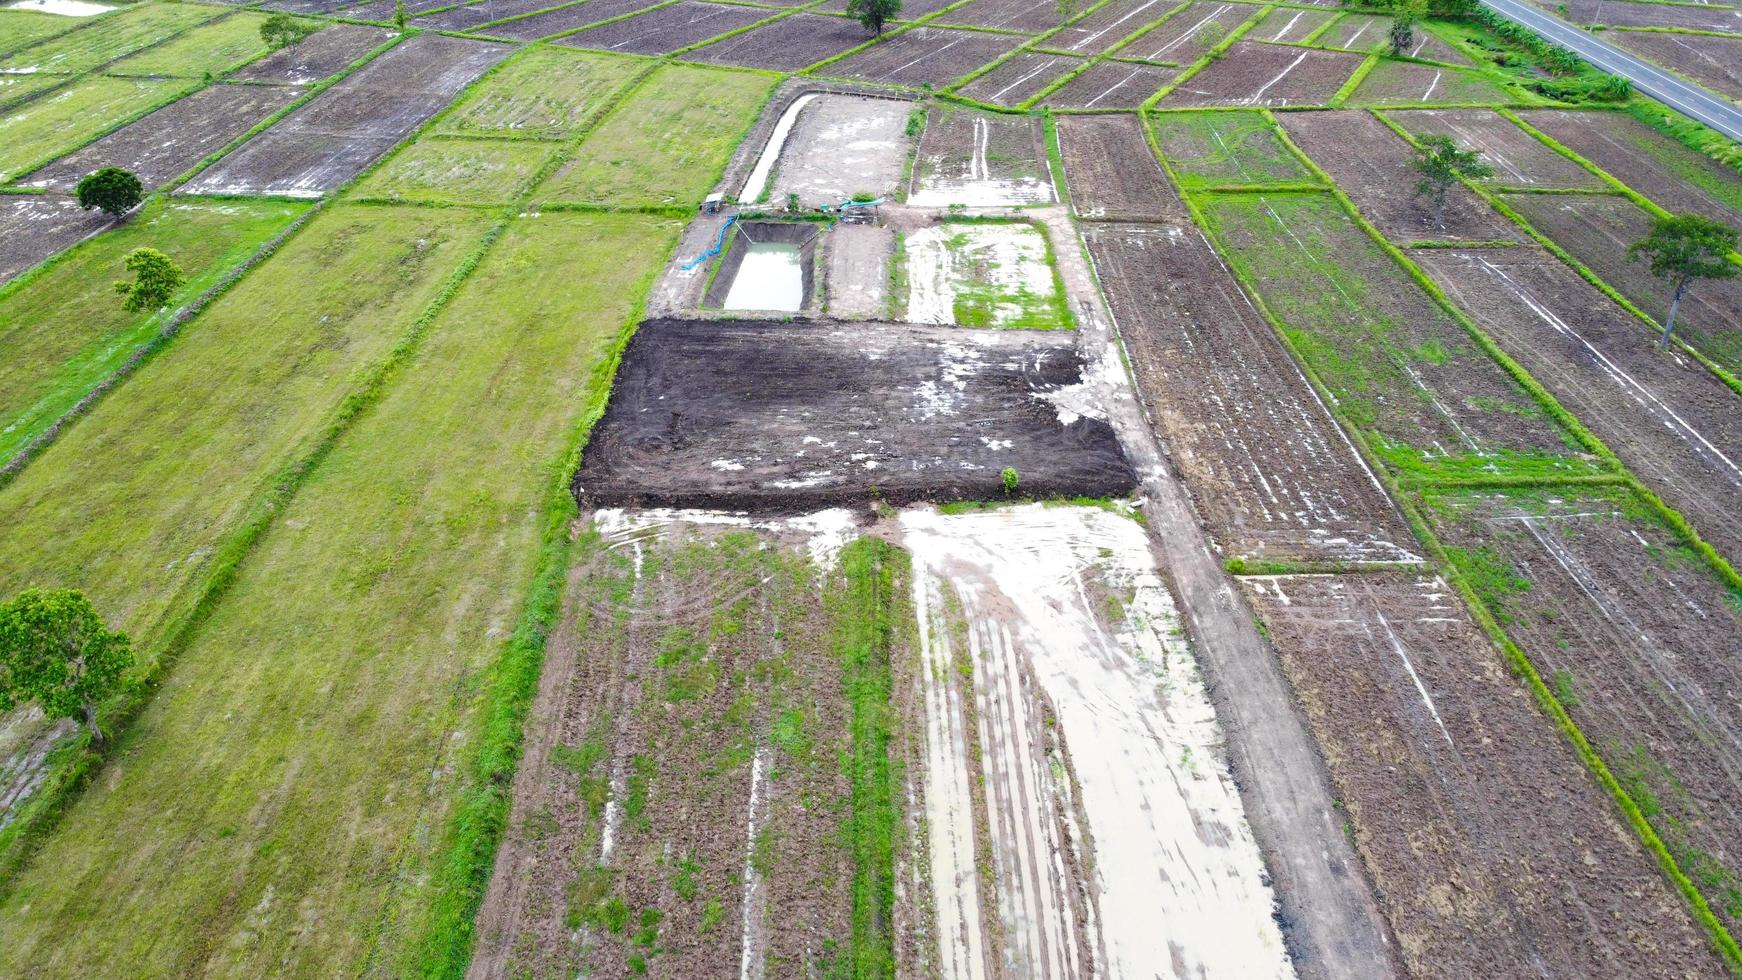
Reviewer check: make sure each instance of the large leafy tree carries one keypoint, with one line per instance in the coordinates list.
(56, 651)
(111, 189)
(873, 13)
(1441, 163)
(1683, 249)
(1403, 24)
(156, 277)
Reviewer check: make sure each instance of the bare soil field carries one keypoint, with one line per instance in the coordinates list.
(1188, 35)
(1598, 230)
(1111, 85)
(1698, 17)
(1267, 466)
(803, 414)
(1019, 79)
(1675, 177)
(923, 56)
(979, 159)
(1518, 158)
(1111, 173)
(563, 19)
(327, 142)
(1488, 843)
(1404, 83)
(1636, 635)
(1715, 62)
(32, 228)
(164, 144)
(680, 810)
(1399, 365)
(1267, 74)
(315, 57)
(1376, 168)
(857, 280)
(1290, 25)
(1225, 147)
(787, 44)
(1670, 420)
(666, 29)
(1026, 16)
(1109, 25)
(1430, 46)
(842, 145)
(1361, 32)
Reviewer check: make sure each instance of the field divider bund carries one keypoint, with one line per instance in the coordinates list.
(1090, 61)
(1240, 30)
(1354, 81)
(1698, 906)
(1311, 38)
(1585, 272)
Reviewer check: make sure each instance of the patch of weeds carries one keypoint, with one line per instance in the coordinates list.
(1563, 689)
(683, 880)
(713, 913)
(642, 770)
(1492, 576)
(789, 735)
(765, 850)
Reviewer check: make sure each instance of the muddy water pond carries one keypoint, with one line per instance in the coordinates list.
(771, 277)
(66, 8)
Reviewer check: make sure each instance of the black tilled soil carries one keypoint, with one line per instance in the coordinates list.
(316, 56)
(564, 19)
(769, 415)
(1019, 79)
(1493, 851)
(1715, 62)
(1642, 158)
(1111, 172)
(1518, 158)
(924, 56)
(668, 28)
(1107, 26)
(787, 44)
(1253, 73)
(1111, 85)
(1188, 35)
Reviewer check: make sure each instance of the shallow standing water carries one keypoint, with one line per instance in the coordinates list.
(69, 8)
(770, 278)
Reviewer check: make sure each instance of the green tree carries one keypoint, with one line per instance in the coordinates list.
(1684, 248)
(873, 13)
(55, 650)
(283, 30)
(112, 190)
(1440, 164)
(156, 277)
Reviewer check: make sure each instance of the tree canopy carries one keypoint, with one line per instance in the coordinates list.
(56, 651)
(1682, 249)
(112, 190)
(282, 30)
(156, 277)
(873, 13)
(1441, 163)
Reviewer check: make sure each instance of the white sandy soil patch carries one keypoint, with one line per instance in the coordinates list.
(842, 145)
(970, 181)
(1066, 613)
(980, 275)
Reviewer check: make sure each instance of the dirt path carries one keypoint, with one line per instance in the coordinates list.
(1331, 922)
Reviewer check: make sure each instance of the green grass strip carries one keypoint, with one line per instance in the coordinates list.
(1055, 161)
(1366, 68)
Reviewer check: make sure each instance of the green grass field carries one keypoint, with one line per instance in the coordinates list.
(546, 93)
(22, 28)
(1225, 147)
(285, 797)
(64, 330)
(63, 121)
(208, 48)
(458, 171)
(666, 143)
(110, 37)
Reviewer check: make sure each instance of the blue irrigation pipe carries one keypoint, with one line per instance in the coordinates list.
(719, 243)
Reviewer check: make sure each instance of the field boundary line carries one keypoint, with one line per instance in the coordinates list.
(1354, 81)
(1701, 910)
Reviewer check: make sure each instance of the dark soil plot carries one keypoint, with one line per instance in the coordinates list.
(1019, 79)
(911, 10)
(1189, 35)
(1111, 85)
(1361, 32)
(34, 228)
(1376, 167)
(330, 140)
(335, 8)
(1488, 844)
(1518, 158)
(1267, 74)
(787, 44)
(1638, 639)
(1670, 420)
(692, 704)
(1398, 365)
(924, 56)
(483, 12)
(1027, 16)
(1715, 62)
(1231, 146)
(1289, 25)
(1107, 26)
(1676, 178)
(320, 54)
(1268, 468)
(1405, 83)
(163, 145)
(1111, 172)
(795, 415)
(1705, 17)
(666, 29)
(1597, 231)
(1430, 47)
(383, 10)
(563, 19)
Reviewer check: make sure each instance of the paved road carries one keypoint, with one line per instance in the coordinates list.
(1647, 78)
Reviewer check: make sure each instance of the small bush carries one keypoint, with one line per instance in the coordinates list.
(1011, 479)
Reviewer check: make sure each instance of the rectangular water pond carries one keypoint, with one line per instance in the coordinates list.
(768, 266)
